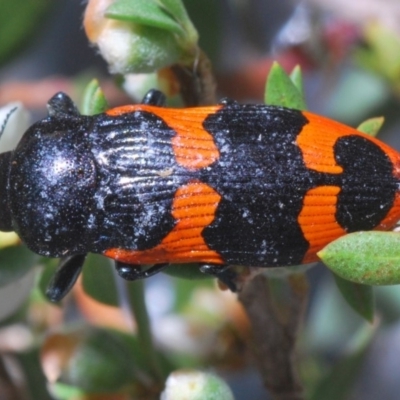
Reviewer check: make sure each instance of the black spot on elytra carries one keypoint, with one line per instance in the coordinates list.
(262, 179)
(368, 186)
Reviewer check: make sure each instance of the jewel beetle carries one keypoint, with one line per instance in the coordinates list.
(222, 185)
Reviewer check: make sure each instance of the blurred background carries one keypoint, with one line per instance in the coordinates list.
(350, 56)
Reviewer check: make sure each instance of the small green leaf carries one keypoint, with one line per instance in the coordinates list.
(281, 91)
(369, 258)
(15, 261)
(371, 126)
(147, 13)
(99, 280)
(93, 101)
(359, 297)
(297, 78)
(101, 363)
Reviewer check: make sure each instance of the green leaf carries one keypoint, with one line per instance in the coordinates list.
(297, 78)
(369, 258)
(147, 13)
(15, 261)
(371, 126)
(175, 8)
(148, 37)
(359, 297)
(93, 101)
(102, 362)
(281, 91)
(337, 384)
(98, 280)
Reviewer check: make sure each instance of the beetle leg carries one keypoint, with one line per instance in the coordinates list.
(65, 277)
(131, 272)
(224, 273)
(154, 97)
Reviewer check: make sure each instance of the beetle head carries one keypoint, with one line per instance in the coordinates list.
(50, 183)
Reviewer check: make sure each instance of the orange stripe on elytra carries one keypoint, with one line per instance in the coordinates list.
(317, 219)
(318, 223)
(317, 139)
(193, 208)
(193, 146)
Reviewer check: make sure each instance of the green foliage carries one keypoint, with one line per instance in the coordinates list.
(371, 126)
(93, 99)
(369, 258)
(109, 361)
(147, 13)
(157, 33)
(282, 90)
(101, 363)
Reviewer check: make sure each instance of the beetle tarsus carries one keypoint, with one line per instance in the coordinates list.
(226, 101)
(154, 97)
(65, 277)
(224, 273)
(132, 272)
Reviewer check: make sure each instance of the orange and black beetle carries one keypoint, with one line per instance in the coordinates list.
(223, 185)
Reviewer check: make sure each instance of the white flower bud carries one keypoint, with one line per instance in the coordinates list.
(195, 385)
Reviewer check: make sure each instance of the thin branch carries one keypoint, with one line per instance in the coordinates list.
(275, 324)
(197, 82)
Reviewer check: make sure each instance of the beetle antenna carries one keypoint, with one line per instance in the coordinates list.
(3, 126)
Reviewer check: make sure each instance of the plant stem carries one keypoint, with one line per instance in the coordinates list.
(276, 314)
(197, 82)
(136, 296)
